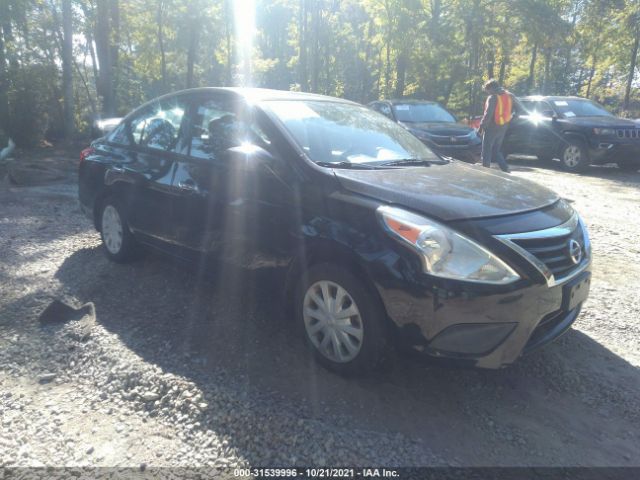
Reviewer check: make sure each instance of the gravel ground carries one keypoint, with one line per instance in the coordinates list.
(158, 366)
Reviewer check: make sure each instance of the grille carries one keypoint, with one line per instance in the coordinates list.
(554, 251)
(448, 140)
(628, 132)
(549, 250)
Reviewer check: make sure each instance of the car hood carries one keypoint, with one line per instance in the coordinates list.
(453, 191)
(438, 128)
(596, 122)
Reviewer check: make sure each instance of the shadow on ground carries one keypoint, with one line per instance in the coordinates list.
(553, 407)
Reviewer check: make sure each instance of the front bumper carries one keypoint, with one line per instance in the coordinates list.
(476, 324)
(613, 151)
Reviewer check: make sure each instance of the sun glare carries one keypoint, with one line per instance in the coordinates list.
(244, 12)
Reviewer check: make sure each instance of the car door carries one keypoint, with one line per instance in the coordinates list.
(531, 131)
(518, 134)
(156, 137)
(221, 205)
(546, 137)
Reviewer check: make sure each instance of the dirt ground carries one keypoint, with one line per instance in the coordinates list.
(167, 368)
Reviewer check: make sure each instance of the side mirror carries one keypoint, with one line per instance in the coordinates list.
(554, 117)
(247, 156)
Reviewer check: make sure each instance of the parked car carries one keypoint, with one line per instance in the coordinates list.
(436, 127)
(578, 131)
(474, 122)
(382, 240)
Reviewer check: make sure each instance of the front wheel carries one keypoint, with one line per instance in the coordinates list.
(343, 320)
(117, 240)
(574, 156)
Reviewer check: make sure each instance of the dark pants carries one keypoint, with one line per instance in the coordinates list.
(492, 146)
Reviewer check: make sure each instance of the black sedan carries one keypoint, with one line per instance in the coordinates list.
(378, 239)
(434, 126)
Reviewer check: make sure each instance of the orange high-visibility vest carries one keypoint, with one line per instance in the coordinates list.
(502, 115)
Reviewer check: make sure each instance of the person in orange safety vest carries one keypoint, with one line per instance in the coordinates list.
(498, 111)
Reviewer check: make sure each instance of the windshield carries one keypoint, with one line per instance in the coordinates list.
(580, 108)
(333, 132)
(422, 112)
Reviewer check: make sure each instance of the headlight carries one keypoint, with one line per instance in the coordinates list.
(604, 131)
(585, 237)
(444, 252)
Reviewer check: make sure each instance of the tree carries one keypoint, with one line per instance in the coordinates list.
(633, 24)
(67, 68)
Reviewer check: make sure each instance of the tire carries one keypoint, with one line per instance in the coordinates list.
(574, 156)
(349, 345)
(628, 165)
(117, 240)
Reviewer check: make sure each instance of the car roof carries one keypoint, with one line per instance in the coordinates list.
(552, 98)
(256, 95)
(395, 101)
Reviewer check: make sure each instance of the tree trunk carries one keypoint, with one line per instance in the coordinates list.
(4, 77)
(114, 47)
(227, 33)
(191, 52)
(591, 73)
(491, 62)
(315, 46)
(193, 16)
(547, 67)
(163, 60)
(387, 68)
(365, 76)
(632, 71)
(302, 45)
(67, 68)
(532, 68)
(503, 68)
(566, 84)
(104, 53)
(401, 70)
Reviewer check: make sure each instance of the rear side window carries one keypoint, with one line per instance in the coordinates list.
(159, 125)
(119, 135)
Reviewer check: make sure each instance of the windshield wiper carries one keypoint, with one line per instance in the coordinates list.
(413, 161)
(360, 166)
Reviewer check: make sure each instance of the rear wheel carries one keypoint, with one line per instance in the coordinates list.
(117, 240)
(574, 156)
(343, 320)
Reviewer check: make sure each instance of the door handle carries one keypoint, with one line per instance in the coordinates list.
(188, 186)
(117, 169)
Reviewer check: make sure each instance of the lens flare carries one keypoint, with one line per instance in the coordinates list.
(244, 12)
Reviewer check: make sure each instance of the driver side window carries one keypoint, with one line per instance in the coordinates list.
(218, 126)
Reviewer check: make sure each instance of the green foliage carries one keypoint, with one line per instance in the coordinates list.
(359, 49)
(34, 108)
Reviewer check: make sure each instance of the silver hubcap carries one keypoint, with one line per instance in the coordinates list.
(332, 321)
(572, 156)
(112, 229)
